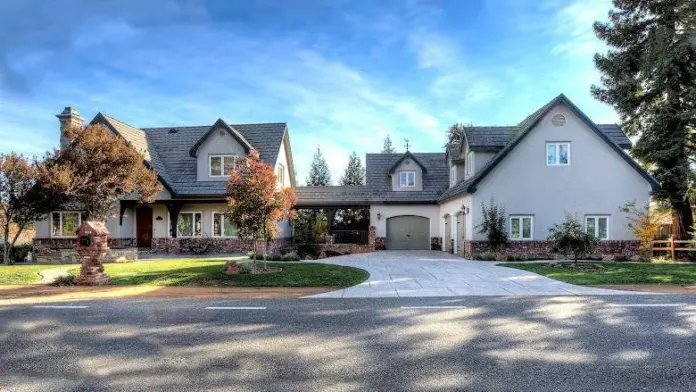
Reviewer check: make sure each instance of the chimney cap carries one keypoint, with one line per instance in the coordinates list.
(69, 111)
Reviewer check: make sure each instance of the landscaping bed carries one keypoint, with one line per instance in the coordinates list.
(626, 273)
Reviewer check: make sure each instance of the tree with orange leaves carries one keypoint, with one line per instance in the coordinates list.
(255, 201)
(22, 199)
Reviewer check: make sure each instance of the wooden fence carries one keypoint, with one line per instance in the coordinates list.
(672, 246)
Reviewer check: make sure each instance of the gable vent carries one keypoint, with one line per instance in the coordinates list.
(173, 130)
(558, 120)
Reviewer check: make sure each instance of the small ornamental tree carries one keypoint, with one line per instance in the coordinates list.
(255, 202)
(644, 222)
(493, 225)
(22, 200)
(96, 170)
(569, 237)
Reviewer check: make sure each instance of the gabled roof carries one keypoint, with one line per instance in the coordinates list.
(167, 150)
(525, 127)
(230, 130)
(407, 155)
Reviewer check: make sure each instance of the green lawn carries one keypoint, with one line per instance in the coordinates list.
(202, 272)
(616, 273)
(22, 274)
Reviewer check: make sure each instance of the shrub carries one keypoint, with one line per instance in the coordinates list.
(493, 225)
(645, 223)
(64, 280)
(569, 238)
(197, 246)
(292, 256)
(310, 250)
(484, 256)
(246, 268)
(18, 253)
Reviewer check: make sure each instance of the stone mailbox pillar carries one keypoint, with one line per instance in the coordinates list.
(91, 248)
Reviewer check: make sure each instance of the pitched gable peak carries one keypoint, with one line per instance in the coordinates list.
(220, 123)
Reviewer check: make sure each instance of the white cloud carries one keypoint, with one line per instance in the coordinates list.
(573, 27)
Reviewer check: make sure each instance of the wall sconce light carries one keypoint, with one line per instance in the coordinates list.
(379, 216)
(159, 218)
(465, 210)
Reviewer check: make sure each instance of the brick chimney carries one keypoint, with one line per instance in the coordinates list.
(69, 117)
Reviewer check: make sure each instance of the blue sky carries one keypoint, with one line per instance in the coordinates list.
(343, 74)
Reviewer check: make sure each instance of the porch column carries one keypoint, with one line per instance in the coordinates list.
(330, 215)
(174, 208)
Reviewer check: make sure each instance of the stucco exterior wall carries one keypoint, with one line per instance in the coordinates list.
(127, 230)
(407, 165)
(219, 142)
(431, 212)
(283, 160)
(453, 207)
(596, 182)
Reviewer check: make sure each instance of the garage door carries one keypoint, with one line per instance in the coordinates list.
(408, 232)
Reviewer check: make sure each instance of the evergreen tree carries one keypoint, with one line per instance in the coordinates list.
(388, 147)
(455, 134)
(319, 173)
(649, 76)
(355, 172)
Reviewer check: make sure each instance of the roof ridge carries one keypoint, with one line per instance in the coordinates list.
(110, 117)
(208, 125)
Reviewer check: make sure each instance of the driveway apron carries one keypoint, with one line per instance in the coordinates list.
(439, 274)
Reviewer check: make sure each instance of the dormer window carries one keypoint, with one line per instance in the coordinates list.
(470, 162)
(407, 179)
(222, 165)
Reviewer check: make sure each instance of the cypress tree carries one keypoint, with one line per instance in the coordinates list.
(319, 173)
(649, 76)
(388, 147)
(355, 172)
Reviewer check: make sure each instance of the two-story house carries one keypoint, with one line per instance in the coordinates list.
(556, 161)
(193, 165)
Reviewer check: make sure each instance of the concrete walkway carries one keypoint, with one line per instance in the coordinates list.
(438, 274)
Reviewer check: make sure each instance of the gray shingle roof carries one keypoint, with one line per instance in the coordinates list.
(173, 145)
(167, 151)
(497, 137)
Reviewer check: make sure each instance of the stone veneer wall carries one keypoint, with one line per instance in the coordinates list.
(435, 243)
(542, 249)
(62, 250)
(219, 245)
(380, 243)
(69, 243)
(330, 246)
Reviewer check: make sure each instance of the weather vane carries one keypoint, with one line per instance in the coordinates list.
(407, 143)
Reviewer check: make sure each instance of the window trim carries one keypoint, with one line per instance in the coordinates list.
(178, 234)
(280, 174)
(79, 222)
(407, 172)
(222, 163)
(557, 144)
(222, 227)
(596, 229)
(453, 175)
(470, 163)
(521, 218)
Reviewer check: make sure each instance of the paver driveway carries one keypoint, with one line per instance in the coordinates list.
(432, 273)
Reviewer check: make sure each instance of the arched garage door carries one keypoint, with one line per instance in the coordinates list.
(408, 232)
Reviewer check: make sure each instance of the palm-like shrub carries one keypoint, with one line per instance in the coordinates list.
(569, 238)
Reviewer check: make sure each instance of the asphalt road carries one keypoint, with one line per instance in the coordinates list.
(608, 343)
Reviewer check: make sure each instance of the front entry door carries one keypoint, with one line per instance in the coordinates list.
(143, 229)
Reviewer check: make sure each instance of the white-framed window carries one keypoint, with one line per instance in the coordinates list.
(407, 179)
(470, 162)
(521, 227)
(222, 165)
(223, 226)
(65, 223)
(558, 154)
(190, 224)
(453, 175)
(598, 225)
(281, 175)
